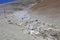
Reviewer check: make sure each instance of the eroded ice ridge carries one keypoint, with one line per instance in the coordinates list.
(33, 26)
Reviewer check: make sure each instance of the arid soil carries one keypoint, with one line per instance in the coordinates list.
(41, 22)
(48, 12)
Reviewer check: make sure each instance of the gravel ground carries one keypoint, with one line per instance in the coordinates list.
(19, 25)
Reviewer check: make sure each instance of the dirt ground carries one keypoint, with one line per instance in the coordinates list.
(48, 12)
(38, 24)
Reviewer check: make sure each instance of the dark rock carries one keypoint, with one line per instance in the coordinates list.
(9, 20)
(36, 20)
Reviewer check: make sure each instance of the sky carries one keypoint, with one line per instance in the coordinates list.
(5, 1)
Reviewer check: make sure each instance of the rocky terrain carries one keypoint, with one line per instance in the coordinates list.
(19, 23)
(21, 26)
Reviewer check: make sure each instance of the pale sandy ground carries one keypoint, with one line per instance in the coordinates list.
(12, 31)
(13, 25)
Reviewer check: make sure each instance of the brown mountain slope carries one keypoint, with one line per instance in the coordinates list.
(48, 12)
(46, 4)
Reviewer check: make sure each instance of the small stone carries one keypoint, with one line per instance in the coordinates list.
(5, 17)
(10, 23)
(43, 23)
(28, 32)
(9, 20)
(22, 18)
(52, 25)
(36, 20)
(54, 35)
